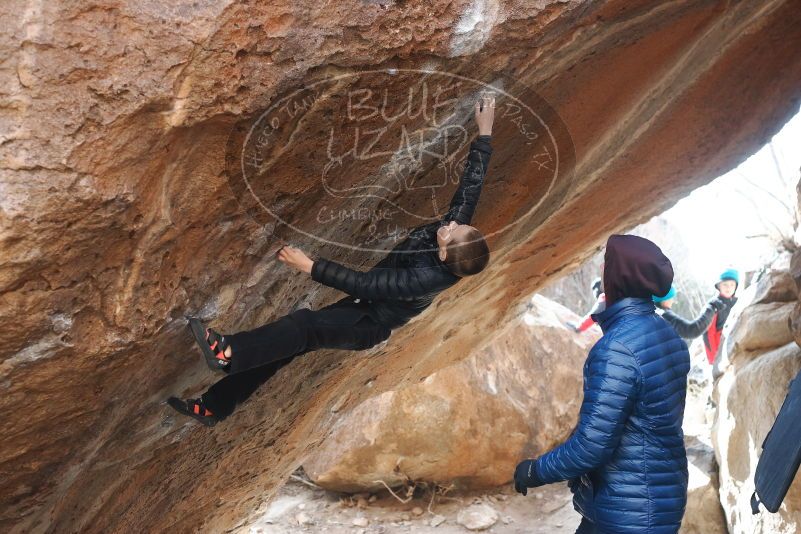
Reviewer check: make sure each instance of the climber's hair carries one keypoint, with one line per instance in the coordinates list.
(468, 255)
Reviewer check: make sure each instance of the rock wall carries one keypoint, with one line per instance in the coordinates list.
(120, 211)
(470, 423)
(760, 359)
(704, 514)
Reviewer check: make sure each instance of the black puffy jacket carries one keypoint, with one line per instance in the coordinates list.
(406, 281)
(693, 329)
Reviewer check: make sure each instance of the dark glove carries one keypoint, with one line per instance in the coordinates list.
(574, 484)
(727, 302)
(719, 303)
(526, 476)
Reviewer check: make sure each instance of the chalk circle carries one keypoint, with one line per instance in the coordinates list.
(382, 159)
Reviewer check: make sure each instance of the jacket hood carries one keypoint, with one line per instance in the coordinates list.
(635, 267)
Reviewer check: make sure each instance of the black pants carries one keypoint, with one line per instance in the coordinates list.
(256, 355)
(586, 527)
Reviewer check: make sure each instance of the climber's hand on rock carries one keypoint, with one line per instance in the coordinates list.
(485, 114)
(294, 257)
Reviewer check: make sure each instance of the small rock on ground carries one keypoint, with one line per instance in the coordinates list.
(477, 517)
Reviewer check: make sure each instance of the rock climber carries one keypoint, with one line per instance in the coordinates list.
(600, 303)
(713, 317)
(431, 259)
(626, 460)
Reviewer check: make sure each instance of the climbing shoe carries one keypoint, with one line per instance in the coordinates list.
(212, 345)
(194, 408)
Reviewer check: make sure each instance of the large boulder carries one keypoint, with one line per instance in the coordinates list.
(762, 359)
(469, 423)
(795, 275)
(762, 326)
(749, 398)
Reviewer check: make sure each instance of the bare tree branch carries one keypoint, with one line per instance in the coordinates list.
(787, 206)
(778, 233)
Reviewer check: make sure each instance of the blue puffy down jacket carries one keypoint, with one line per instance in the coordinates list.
(626, 459)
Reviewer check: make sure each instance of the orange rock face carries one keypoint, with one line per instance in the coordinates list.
(123, 207)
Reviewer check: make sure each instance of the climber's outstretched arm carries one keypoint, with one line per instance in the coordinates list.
(693, 329)
(465, 200)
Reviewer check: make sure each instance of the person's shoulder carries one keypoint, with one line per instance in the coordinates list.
(648, 336)
(612, 342)
(610, 352)
(628, 334)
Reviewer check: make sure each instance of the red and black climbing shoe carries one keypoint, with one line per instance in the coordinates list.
(212, 345)
(194, 408)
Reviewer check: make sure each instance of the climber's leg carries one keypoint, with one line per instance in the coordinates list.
(223, 396)
(268, 343)
(258, 354)
(343, 325)
(213, 345)
(194, 408)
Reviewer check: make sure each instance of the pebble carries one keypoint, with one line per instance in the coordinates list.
(417, 511)
(360, 521)
(436, 521)
(477, 517)
(303, 519)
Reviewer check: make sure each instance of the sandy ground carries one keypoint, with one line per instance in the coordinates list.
(301, 508)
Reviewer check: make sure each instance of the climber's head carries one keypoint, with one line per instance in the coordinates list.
(635, 267)
(462, 248)
(728, 282)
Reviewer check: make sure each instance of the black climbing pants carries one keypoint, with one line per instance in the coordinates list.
(256, 355)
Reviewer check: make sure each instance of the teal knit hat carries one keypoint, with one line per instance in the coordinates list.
(729, 274)
(670, 294)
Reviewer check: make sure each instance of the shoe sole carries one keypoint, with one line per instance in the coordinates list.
(180, 406)
(199, 333)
